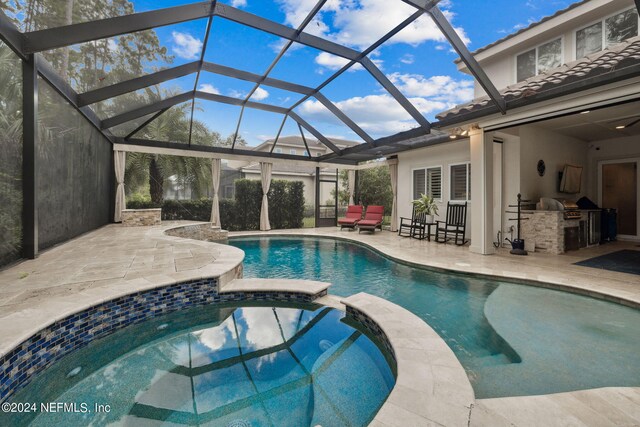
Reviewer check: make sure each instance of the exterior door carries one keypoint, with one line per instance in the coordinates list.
(326, 198)
(619, 190)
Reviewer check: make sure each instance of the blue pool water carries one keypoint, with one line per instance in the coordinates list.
(220, 366)
(512, 339)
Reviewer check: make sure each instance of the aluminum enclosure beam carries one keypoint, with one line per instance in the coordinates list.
(12, 36)
(314, 132)
(225, 152)
(67, 35)
(132, 85)
(259, 23)
(235, 101)
(343, 117)
(186, 96)
(255, 78)
(393, 90)
(147, 109)
(30, 158)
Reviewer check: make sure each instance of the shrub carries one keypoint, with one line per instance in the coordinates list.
(286, 206)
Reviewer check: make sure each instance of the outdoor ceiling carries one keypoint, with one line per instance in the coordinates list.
(235, 69)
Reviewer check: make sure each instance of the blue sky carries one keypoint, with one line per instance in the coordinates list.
(418, 60)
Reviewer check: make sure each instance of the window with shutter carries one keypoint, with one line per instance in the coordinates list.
(419, 183)
(434, 182)
(460, 182)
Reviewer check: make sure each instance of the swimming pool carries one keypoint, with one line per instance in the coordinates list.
(512, 339)
(219, 365)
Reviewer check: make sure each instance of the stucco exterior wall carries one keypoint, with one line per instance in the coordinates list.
(499, 61)
(556, 150)
(442, 155)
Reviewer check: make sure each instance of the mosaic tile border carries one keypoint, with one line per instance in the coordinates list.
(76, 331)
(373, 327)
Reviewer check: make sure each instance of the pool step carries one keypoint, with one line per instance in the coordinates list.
(308, 287)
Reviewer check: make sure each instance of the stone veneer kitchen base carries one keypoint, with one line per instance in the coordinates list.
(76, 331)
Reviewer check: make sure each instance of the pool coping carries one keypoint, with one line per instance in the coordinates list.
(226, 267)
(606, 294)
(431, 384)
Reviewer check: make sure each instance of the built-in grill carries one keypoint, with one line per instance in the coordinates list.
(570, 209)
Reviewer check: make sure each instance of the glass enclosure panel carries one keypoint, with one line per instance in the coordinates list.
(589, 40)
(35, 15)
(100, 63)
(257, 127)
(171, 126)
(367, 103)
(149, 95)
(274, 10)
(360, 23)
(306, 66)
(274, 96)
(621, 26)
(223, 85)
(74, 171)
(215, 124)
(549, 55)
(241, 47)
(325, 122)
(526, 65)
(126, 128)
(10, 155)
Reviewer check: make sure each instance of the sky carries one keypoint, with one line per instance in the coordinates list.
(419, 60)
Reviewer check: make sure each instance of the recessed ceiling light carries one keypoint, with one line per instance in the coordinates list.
(452, 136)
(585, 112)
(620, 127)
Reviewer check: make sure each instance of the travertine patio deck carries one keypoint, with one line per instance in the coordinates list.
(115, 260)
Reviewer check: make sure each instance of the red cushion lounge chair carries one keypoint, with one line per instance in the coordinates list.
(372, 219)
(354, 214)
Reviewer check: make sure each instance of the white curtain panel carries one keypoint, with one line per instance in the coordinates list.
(352, 185)
(393, 172)
(265, 171)
(215, 180)
(119, 161)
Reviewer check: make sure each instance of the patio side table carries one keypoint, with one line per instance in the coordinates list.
(423, 233)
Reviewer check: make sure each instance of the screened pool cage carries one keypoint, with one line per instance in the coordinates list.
(68, 71)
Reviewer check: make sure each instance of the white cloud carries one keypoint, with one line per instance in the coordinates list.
(360, 23)
(259, 94)
(209, 88)
(437, 88)
(377, 114)
(186, 46)
(407, 59)
(381, 114)
(334, 62)
(238, 3)
(237, 93)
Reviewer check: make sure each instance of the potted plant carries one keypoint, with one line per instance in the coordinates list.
(427, 205)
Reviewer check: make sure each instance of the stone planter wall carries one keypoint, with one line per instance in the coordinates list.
(140, 217)
(204, 231)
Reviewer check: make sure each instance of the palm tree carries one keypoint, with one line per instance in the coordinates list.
(154, 169)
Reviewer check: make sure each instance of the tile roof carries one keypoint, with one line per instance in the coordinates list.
(616, 57)
(533, 25)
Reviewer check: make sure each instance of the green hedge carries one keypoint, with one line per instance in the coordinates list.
(286, 206)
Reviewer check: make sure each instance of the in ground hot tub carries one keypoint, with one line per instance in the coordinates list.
(221, 365)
